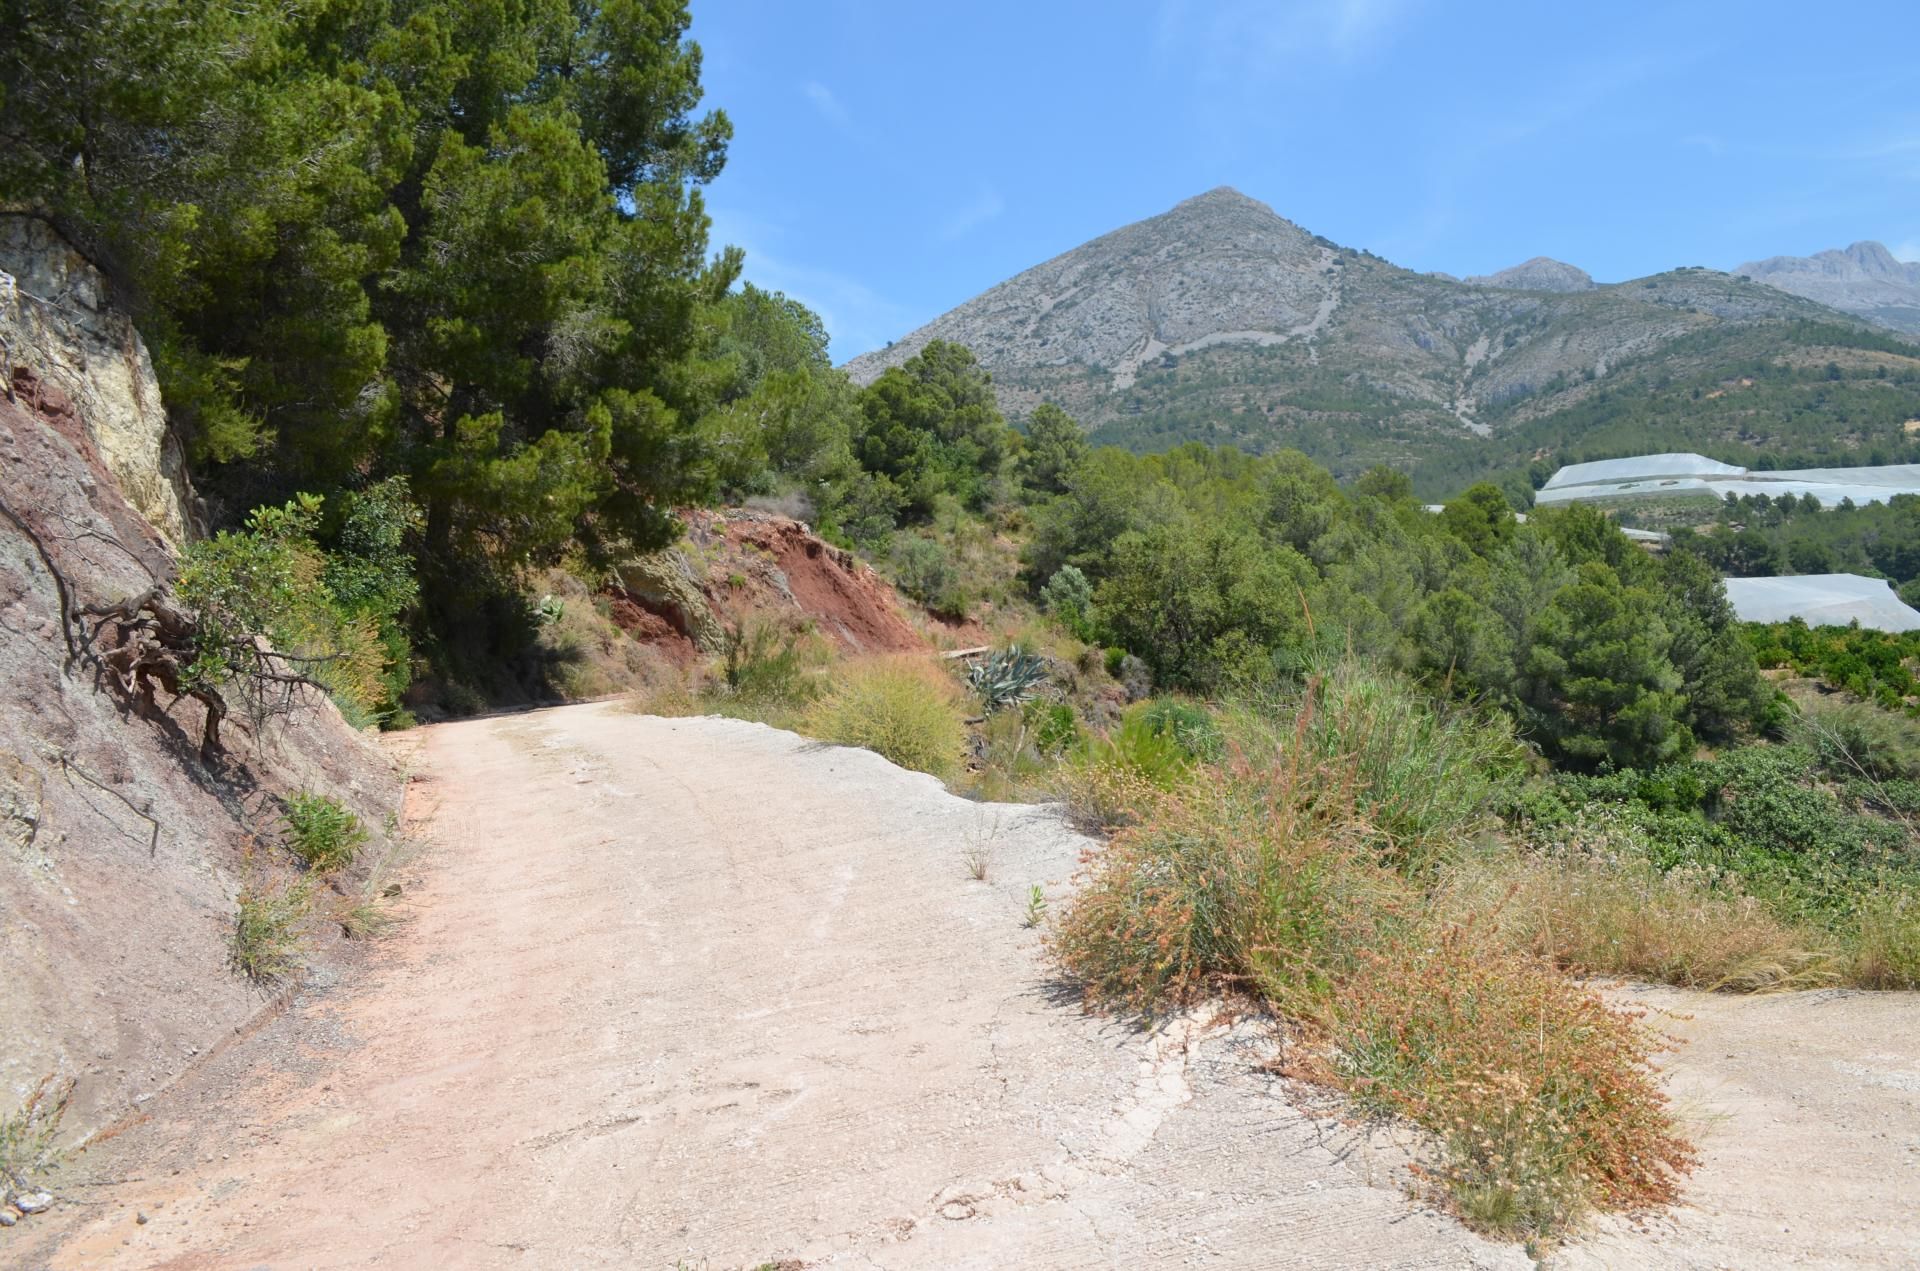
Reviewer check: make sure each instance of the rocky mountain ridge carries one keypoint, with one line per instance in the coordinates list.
(1864, 279)
(1221, 321)
(1542, 273)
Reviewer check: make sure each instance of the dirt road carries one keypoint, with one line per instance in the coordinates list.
(700, 993)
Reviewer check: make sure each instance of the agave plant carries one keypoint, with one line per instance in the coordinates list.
(1006, 677)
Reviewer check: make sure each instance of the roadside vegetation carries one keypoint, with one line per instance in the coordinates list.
(1393, 776)
(324, 874)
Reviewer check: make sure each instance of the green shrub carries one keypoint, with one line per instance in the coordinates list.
(900, 707)
(1189, 726)
(322, 832)
(764, 662)
(926, 571)
(1068, 596)
(266, 930)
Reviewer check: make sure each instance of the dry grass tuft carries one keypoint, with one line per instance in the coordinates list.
(26, 1135)
(1269, 879)
(1886, 952)
(901, 707)
(265, 945)
(1599, 914)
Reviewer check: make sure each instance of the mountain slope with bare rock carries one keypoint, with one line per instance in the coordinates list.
(1221, 321)
(1865, 279)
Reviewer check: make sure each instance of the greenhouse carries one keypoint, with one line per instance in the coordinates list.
(1683, 475)
(1822, 600)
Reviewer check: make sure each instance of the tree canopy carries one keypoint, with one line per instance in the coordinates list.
(457, 240)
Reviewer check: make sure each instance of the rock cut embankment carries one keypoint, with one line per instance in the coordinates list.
(121, 853)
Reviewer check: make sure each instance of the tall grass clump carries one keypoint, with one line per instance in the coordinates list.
(1428, 774)
(1265, 874)
(1596, 907)
(901, 707)
(1019, 751)
(1542, 1096)
(1107, 779)
(265, 945)
(1886, 952)
(322, 832)
(1858, 739)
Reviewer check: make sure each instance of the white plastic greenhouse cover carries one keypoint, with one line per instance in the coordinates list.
(1696, 474)
(1642, 468)
(1822, 600)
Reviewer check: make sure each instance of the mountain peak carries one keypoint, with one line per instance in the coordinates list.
(1542, 273)
(1215, 268)
(1875, 260)
(1221, 195)
(1864, 279)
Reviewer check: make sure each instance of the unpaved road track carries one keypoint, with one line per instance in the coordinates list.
(698, 992)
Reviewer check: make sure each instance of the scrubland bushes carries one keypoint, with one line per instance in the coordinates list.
(274, 912)
(328, 586)
(1408, 886)
(1270, 877)
(322, 832)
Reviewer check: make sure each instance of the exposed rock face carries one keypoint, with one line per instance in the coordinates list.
(665, 584)
(741, 563)
(56, 318)
(1864, 279)
(766, 563)
(1220, 268)
(1221, 321)
(121, 854)
(1542, 273)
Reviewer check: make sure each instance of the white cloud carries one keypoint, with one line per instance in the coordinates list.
(826, 103)
(972, 214)
(1237, 40)
(1908, 251)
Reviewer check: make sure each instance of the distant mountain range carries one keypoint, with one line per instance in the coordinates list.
(1222, 321)
(1864, 279)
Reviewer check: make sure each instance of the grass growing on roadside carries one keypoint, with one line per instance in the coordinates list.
(265, 945)
(1596, 911)
(1267, 874)
(1428, 775)
(769, 671)
(26, 1135)
(901, 707)
(1543, 1096)
(1886, 951)
(322, 832)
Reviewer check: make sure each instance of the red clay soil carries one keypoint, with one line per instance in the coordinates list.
(753, 563)
(650, 628)
(851, 603)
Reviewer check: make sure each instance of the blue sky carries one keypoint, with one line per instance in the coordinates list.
(892, 160)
